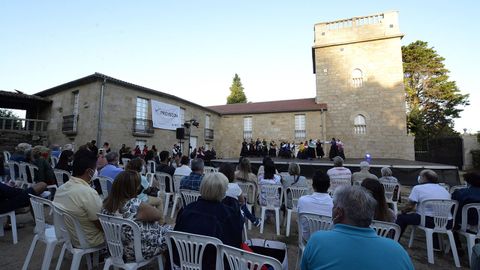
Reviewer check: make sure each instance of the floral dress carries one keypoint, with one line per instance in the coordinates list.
(152, 233)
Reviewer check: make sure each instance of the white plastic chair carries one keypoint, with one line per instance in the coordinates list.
(150, 176)
(113, 229)
(470, 232)
(249, 191)
(442, 213)
(239, 259)
(60, 219)
(291, 202)
(60, 174)
(103, 180)
(273, 197)
(209, 169)
(308, 223)
(190, 249)
(151, 166)
(390, 194)
(385, 229)
(162, 179)
(6, 156)
(43, 232)
(176, 197)
(334, 183)
(13, 175)
(189, 196)
(13, 221)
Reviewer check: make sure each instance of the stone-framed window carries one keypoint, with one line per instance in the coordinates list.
(300, 132)
(360, 124)
(247, 127)
(182, 116)
(141, 114)
(357, 78)
(207, 121)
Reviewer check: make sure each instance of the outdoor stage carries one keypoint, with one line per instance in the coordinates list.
(406, 171)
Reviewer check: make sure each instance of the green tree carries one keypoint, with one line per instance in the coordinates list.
(433, 100)
(236, 92)
(7, 113)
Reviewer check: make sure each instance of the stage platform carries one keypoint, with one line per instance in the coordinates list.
(406, 171)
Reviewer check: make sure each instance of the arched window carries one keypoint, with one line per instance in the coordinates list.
(357, 78)
(360, 124)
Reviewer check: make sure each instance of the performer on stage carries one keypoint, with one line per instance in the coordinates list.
(340, 147)
(244, 150)
(311, 149)
(319, 149)
(273, 149)
(333, 149)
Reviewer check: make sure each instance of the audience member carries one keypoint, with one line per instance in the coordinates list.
(269, 178)
(55, 151)
(65, 160)
(45, 172)
(193, 180)
(106, 147)
(80, 200)
(352, 244)
(294, 178)
(12, 198)
(382, 212)
(101, 160)
(111, 169)
(387, 176)
(338, 171)
(183, 169)
(363, 174)
(244, 174)
(163, 166)
(20, 152)
(122, 201)
(93, 146)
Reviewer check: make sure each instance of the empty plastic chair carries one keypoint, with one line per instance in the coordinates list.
(386, 229)
(273, 197)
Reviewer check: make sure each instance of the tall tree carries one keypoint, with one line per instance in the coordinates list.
(433, 100)
(236, 92)
(7, 113)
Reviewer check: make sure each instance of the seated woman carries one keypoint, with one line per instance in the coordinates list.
(137, 164)
(123, 202)
(244, 174)
(294, 178)
(387, 176)
(382, 212)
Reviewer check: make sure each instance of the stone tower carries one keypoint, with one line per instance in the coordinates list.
(358, 67)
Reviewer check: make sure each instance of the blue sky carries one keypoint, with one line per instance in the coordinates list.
(192, 49)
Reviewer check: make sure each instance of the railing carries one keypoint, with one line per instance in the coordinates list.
(23, 125)
(142, 127)
(247, 134)
(354, 22)
(300, 134)
(69, 124)
(208, 134)
(360, 129)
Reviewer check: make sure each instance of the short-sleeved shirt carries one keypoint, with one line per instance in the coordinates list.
(339, 173)
(191, 181)
(110, 171)
(428, 191)
(350, 247)
(183, 170)
(81, 201)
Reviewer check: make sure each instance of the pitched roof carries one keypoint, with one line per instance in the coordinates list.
(292, 105)
(101, 77)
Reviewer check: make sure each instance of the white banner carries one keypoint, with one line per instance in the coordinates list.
(165, 116)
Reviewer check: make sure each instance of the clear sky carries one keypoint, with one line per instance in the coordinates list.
(192, 49)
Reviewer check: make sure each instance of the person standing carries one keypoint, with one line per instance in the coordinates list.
(319, 149)
(333, 149)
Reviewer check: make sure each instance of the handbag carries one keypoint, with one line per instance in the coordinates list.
(274, 249)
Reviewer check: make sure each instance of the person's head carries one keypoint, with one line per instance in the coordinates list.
(337, 161)
(135, 164)
(65, 157)
(68, 146)
(293, 168)
(427, 176)
(197, 165)
(101, 152)
(112, 158)
(244, 166)
(353, 205)
(84, 164)
(364, 166)
(93, 142)
(472, 178)
(213, 187)
(184, 160)
(150, 155)
(23, 148)
(106, 145)
(320, 182)
(386, 171)
(228, 170)
(37, 152)
(269, 169)
(164, 156)
(123, 145)
(378, 192)
(126, 186)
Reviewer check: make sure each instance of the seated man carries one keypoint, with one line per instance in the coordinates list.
(80, 200)
(193, 180)
(164, 167)
(111, 169)
(338, 171)
(352, 244)
(363, 173)
(13, 198)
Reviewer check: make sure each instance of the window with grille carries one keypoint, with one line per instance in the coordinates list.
(360, 124)
(300, 132)
(141, 114)
(247, 127)
(207, 121)
(357, 78)
(182, 116)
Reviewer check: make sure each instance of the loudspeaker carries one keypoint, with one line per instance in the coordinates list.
(180, 133)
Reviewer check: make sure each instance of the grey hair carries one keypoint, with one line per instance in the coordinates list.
(357, 203)
(213, 187)
(337, 161)
(429, 176)
(364, 165)
(197, 164)
(386, 171)
(293, 169)
(112, 156)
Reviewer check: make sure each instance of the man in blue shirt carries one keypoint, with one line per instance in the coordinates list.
(111, 169)
(193, 180)
(352, 244)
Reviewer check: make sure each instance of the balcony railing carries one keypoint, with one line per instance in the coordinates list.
(70, 124)
(208, 134)
(142, 127)
(23, 125)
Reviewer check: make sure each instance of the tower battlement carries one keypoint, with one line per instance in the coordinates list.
(357, 29)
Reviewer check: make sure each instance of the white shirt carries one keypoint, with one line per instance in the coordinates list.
(233, 190)
(339, 173)
(427, 191)
(183, 170)
(317, 203)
